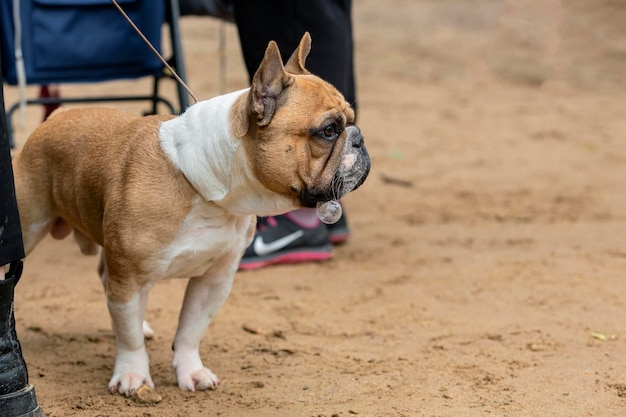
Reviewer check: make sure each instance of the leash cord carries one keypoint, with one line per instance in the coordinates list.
(143, 37)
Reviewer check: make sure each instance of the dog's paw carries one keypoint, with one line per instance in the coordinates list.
(200, 380)
(132, 370)
(126, 384)
(148, 333)
(191, 374)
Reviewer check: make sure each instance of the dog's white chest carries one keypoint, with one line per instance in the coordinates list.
(206, 236)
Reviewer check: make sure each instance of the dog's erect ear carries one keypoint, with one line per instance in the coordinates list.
(295, 65)
(268, 82)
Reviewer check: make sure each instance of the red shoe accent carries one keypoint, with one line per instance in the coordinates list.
(47, 92)
(339, 238)
(289, 258)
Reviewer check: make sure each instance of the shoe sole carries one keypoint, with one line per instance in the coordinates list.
(287, 258)
(338, 238)
(339, 232)
(22, 403)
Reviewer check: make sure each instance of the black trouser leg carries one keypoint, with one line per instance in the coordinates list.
(285, 21)
(17, 397)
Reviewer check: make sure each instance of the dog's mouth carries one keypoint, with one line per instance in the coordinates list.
(310, 200)
(343, 182)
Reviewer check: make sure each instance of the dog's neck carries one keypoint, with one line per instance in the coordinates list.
(201, 144)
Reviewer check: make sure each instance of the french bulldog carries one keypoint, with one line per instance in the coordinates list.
(177, 196)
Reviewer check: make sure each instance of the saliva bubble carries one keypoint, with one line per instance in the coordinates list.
(329, 212)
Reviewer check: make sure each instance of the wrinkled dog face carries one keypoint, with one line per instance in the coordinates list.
(338, 161)
(304, 136)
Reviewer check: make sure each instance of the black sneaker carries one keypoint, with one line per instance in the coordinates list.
(279, 240)
(339, 232)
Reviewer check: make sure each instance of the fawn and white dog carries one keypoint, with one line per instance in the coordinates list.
(166, 196)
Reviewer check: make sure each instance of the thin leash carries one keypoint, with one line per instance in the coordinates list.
(143, 37)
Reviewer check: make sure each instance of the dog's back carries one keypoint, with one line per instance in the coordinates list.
(60, 172)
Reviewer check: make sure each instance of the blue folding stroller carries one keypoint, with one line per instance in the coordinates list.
(84, 41)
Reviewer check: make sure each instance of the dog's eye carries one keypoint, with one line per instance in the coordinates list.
(330, 132)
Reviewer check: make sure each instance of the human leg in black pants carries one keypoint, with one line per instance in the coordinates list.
(328, 21)
(298, 236)
(17, 397)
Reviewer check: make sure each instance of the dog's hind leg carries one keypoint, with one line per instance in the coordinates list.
(35, 207)
(86, 245)
(148, 333)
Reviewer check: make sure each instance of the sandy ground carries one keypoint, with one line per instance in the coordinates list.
(485, 273)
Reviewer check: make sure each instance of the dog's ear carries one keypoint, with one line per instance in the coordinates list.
(268, 82)
(295, 64)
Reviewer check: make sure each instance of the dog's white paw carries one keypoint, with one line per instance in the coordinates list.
(191, 373)
(200, 380)
(148, 333)
(132, 370)
(127, 384)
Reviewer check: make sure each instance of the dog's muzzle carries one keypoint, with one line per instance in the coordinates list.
(355, 165)
(352, 171)
(355, 138)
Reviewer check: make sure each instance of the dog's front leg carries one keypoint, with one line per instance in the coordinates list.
(203, 298)
(132, 366)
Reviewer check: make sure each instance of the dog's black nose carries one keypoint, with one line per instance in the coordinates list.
(356, 138)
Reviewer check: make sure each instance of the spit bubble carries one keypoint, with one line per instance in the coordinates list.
(329, 212)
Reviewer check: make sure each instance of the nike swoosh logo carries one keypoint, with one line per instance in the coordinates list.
(262, 248)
